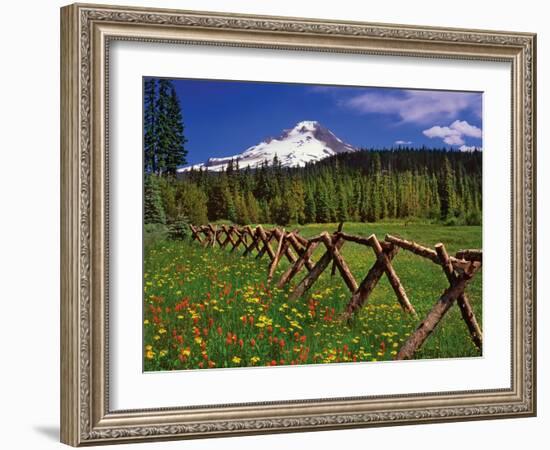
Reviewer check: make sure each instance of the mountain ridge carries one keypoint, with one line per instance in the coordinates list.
(308, 141)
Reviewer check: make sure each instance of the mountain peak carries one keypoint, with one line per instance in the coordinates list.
(307, 125)
(308, 141)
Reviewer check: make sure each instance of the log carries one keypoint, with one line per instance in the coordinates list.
(413, 247)
(253, 243)
(392, 276)
(208, 233)
(426, 327)
(365, 241)
(299, 250)
(425, 252)
(470, 255)
(263, 250)
(302, 260)
(218, 237)
(340, 263)
(302, 240)
(286, 249)
(464, 304)
(213, 234)
(239, 241)
(361, 295)
(260, 231)
(317, 270)
(280, 251)
(339, 230)
(195, 232)
(224, 242)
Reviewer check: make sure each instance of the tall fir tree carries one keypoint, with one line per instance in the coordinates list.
(176, 152)
(149, 125)
(447, 190)
(153, 205)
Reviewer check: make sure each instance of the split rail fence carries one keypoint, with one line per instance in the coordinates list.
(458, 269)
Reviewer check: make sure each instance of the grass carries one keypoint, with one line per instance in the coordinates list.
(206, 308)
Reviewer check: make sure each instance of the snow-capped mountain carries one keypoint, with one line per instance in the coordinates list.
(307, 142)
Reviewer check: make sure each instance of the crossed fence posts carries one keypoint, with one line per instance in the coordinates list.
(459, 270)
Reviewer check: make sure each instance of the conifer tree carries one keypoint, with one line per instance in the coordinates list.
(176, 152)
(447, 190)
(153, 208)
(310, 211)
(149, 125)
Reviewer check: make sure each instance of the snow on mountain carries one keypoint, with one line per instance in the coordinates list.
(307, 142)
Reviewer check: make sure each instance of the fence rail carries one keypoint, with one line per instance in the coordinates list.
(459, 270)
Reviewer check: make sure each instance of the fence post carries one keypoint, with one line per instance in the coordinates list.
(392, 276)
(317, 270)
(368, 284)
(281, 246)
(426, 327)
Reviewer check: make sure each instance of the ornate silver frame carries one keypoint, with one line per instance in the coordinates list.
(86, 31)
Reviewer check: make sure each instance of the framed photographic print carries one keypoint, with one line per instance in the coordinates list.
(277, 224)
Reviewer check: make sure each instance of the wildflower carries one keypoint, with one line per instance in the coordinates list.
(236, 360)
(162, 330)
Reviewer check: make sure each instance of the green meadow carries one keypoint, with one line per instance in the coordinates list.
(211, 308)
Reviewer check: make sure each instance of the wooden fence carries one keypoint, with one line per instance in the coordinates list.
(459, 269)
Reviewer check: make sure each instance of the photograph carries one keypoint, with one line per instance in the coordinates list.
(289, 224)
(292, 222)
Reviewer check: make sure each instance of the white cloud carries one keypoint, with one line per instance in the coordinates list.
(402, 142)
(453, 134)
(466, 129)
(468, 148)
(416, 106)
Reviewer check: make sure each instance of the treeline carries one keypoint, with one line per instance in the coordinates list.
(163, 139)
(364, 186)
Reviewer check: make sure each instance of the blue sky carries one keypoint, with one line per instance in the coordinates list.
(224, 118)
